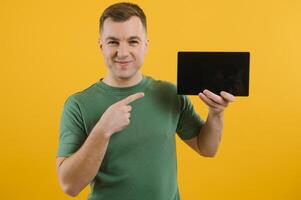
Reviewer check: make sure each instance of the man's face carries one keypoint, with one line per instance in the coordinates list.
(123, 45)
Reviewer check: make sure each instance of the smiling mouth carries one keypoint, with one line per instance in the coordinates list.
(123, 63)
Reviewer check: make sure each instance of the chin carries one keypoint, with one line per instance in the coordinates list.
(125, 76)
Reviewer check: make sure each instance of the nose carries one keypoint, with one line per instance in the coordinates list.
(122, 51)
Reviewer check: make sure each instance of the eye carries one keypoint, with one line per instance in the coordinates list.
(111, 43)
(133, 42)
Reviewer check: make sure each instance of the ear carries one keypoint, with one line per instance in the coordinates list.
(146, 45)
(100, 43)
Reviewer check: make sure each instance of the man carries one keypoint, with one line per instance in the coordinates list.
(119, 134)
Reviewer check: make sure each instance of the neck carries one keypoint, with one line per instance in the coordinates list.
(122, 82)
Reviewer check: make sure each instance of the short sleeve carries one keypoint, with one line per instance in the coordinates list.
(190, 123)
(72, 133)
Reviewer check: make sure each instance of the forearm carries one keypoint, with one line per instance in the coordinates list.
(210, 134)
(78, 170)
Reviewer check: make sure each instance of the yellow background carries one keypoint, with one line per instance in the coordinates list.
(49, 50)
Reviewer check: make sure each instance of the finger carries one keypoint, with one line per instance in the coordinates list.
(229, 97)
(127, 108)
(131, 98)
(209, 102)
(216, 98)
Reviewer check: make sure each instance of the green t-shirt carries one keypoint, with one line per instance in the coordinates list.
(140, 161)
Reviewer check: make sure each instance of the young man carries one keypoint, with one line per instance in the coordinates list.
(119, 134)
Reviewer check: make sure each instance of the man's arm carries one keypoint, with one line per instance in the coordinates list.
(207, 142)
(210, 134)
(77, 171)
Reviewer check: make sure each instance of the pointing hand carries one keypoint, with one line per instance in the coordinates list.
(117, 116)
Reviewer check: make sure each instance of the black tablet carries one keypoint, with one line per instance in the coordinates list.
(215, 71)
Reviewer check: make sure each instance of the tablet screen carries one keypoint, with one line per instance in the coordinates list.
(215, 71)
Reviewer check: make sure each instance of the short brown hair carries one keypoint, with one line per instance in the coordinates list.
(121, 12)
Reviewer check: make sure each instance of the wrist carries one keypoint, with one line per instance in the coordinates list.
(100, 130)
(216, 114)
(105, 134)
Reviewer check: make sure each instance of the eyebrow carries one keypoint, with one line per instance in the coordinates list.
(130, 38)
(135, 38)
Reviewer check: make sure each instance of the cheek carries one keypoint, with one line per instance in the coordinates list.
(140, 55)
(140, 52)
(108, 54)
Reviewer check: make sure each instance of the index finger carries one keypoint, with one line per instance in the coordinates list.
(131, 98)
